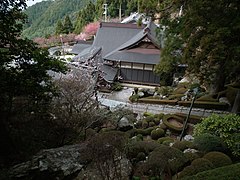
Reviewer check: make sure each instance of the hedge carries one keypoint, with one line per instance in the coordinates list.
(205, 105)
(193, 119)
(230, 172)
(157, 101)
(171, 126)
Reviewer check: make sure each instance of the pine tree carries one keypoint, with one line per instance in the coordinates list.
(209, 35)
(67, 25)
(59, 28)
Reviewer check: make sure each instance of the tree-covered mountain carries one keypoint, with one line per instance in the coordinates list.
(43, 16)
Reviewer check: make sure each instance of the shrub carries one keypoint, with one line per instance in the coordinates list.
(193, 119)
(134, 148)
(157, 101)
(182, 145)
(151, 124)
(155, 134)
(162, 139)
(197, 165)
(218, 159)
(176, 96)
(140, 137)
(149, 119)
(191, 156)
(205, 104)
(226, 172)
(226, 127)
(117, 86)
(164, 90)
(172, 126)
(156, 121)
(144, 124)
(167, 142)
(207, 98)
(163, 126)
(145, 132)
(180, 90)
(141, 156)
(207, 142)
(164, 157)
(134, 98)
(147, 114)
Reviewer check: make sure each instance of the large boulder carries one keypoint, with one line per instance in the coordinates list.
(124, 124)
(59, 163)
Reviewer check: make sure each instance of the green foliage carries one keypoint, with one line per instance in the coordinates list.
(197, 165)
(198, 36)
(164, 90)
(163, 139)
(85, 16)
(226, 127)
(163, 158)
(171, 125)
(146, 114)
(26, 88)
(207, 142)
(43, 22)
(180, 90)
(218, 159)
(133, 149)
(59, 28)
(207, 98)
(193, 119)
(157, 101)
(191, 156)
(205, 104)
(144, 124)
(157, 133)
(176, 97)
(141, 156)
(117, 86)
(226, 172)
(182, 145)
(67, 25)
(134, 98)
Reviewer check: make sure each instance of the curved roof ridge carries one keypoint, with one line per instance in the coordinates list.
(138, 37)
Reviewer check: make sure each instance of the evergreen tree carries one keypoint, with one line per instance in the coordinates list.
(204, 35)
(25, 85)
(59, 28)
(84, 17)
(67, 25)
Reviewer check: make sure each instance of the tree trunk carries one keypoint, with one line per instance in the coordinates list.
(219, 81)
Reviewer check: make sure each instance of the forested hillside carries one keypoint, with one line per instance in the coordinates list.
(44, 16)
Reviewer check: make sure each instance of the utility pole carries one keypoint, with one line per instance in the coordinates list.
(120, 12)
(138, 5)
(105, 11)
